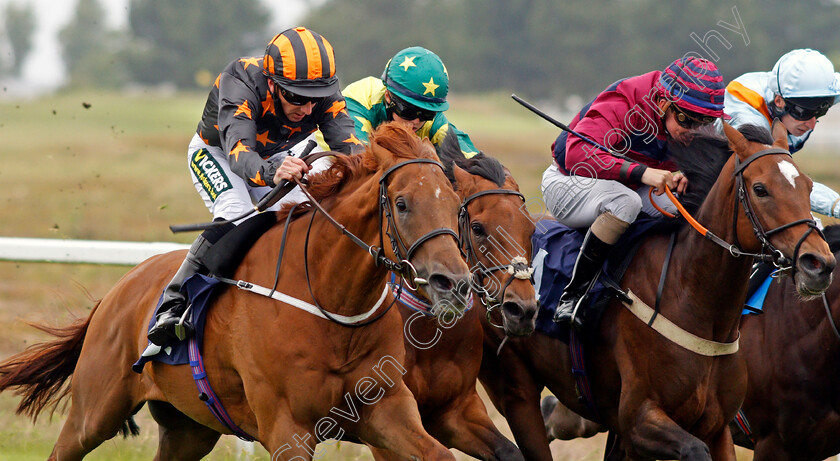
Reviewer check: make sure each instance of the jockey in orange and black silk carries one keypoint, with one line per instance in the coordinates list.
(256, 119)
(250, 125)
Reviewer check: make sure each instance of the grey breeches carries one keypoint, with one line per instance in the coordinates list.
(577, 200)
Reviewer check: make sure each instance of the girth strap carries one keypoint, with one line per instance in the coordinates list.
(303, 305)
(676, 334)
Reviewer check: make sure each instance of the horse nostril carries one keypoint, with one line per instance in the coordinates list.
(441, 282)
(513, 310)
(814, 264)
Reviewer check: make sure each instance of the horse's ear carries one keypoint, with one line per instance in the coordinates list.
(737, 140)
(428, 149)
(779, 134)
(509, 181)
(382, 155)
(463, 179)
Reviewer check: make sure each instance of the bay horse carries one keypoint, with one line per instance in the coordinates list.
(443, 358)
(281, 373)
(658, 399)
(792, 404)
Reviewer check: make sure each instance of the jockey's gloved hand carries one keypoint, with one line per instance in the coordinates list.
(825, 201)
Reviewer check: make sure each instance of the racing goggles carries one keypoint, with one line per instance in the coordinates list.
(797, 109)
(691, 120)
(296, 99)
(407, 111)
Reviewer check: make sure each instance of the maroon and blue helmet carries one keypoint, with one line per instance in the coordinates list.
(695, 85)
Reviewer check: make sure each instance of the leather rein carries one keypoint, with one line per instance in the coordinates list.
(769, 252)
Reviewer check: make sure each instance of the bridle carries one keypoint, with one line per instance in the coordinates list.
(397, 243)
(517, 268)
(402, 264)
(769, 252)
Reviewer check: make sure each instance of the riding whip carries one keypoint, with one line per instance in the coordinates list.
(564, 127)
(277, 192)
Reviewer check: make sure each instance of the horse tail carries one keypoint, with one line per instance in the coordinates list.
(41, 371)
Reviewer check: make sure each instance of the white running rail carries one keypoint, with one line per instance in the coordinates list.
(94, 252)
(82, 251)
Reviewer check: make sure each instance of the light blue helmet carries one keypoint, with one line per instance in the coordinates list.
(805, 73)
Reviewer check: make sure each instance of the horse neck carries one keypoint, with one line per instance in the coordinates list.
(349, 268)
(707, 269)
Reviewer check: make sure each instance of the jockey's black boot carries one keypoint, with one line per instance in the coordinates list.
(174, 303)
(593, 254)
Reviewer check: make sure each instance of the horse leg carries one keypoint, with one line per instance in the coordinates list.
(180, 438)
(613, 451)
(394, 424)
(283, 437)
(721, 446)
(564, 424)
(468, 428)
(87, 426)
(519, 403)
(652, 434)
(772, 449)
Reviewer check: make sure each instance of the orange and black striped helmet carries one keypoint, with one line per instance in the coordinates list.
(302, 62)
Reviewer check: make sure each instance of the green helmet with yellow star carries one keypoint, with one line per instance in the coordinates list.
(419, 77)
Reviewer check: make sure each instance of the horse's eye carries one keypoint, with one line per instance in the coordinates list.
(400, 204)
(760, 190)
(477, 229)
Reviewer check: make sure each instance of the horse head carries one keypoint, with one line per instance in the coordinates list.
(419, 214)
(495, 231)
(775, 201)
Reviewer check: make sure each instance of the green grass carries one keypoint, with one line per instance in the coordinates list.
(117, 171)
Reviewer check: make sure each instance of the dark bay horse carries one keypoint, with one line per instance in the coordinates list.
(793, 392)
(443, 361)
(661, 400)
(286, 377)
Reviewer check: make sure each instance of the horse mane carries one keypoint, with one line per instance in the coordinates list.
(832, 236)
(702, 160)
(392, 137)
(450, 154)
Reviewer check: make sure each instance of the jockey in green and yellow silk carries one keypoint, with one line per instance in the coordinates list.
(412, 90)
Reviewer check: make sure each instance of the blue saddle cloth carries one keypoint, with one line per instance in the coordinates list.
(556, 248)
(199, 291)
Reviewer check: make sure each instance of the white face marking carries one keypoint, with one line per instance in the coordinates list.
(789, 170)
(437, 193)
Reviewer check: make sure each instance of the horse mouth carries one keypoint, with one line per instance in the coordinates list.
(518, 332)
(810, 288)
(519, 320)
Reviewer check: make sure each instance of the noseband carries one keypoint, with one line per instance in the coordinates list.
(518, 268)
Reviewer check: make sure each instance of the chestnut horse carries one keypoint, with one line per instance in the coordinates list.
(658, 399)
(793, 392)
(281, 373)
(443, 358)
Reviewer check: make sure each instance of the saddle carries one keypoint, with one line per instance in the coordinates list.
(556, 247)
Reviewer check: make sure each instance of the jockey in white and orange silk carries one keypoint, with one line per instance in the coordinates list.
(801, 88)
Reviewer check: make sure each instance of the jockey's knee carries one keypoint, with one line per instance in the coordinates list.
(625, 206)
